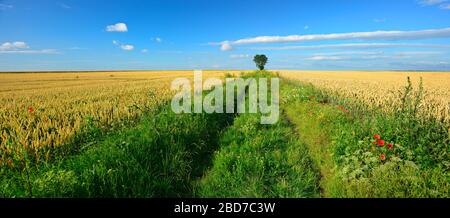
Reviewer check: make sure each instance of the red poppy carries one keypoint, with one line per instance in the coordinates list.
(30, 109)
(375, 142)
(382, 157)
(381, 142)
(346, 111)
(390, 145)
(376, 136)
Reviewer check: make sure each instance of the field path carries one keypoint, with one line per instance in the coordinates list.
(313, 123)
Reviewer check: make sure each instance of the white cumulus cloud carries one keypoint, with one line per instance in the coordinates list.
(125, 47)
(118, 27)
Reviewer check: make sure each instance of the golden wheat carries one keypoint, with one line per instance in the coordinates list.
(43, 111)
(379, 89)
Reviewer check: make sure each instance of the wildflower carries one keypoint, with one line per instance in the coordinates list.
(383, 157)
(376, 136)
(30, 109)
(346, 110)
(390, 145)
(375, 142)
(381, 143)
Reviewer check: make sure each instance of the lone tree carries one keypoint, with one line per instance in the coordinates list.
(260, 61)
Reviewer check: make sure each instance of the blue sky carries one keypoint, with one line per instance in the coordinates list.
(219, 34)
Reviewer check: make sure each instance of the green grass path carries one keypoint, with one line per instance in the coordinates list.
(256, 160)
(312, 123)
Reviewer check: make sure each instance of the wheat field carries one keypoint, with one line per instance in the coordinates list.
(43, 111)
(378, 88)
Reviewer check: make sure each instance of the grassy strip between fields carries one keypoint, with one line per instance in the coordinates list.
(257, 160)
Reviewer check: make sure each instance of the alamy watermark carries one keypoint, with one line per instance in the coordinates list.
(220, 99)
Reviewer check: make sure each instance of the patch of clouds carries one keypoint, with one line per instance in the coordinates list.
(238, 56)
(443, 4)
(144, 51)
(375, 35)
(421, 65)
(118, 27)
(77, 48)
(325, 58)
(420, 53)
(355, 46)
(13, 46)
(43, 51)
(430, 2)
(157, 39)
(226, 46)
(20, 47)
(125, 47)
(356, 55)
(350, 53)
